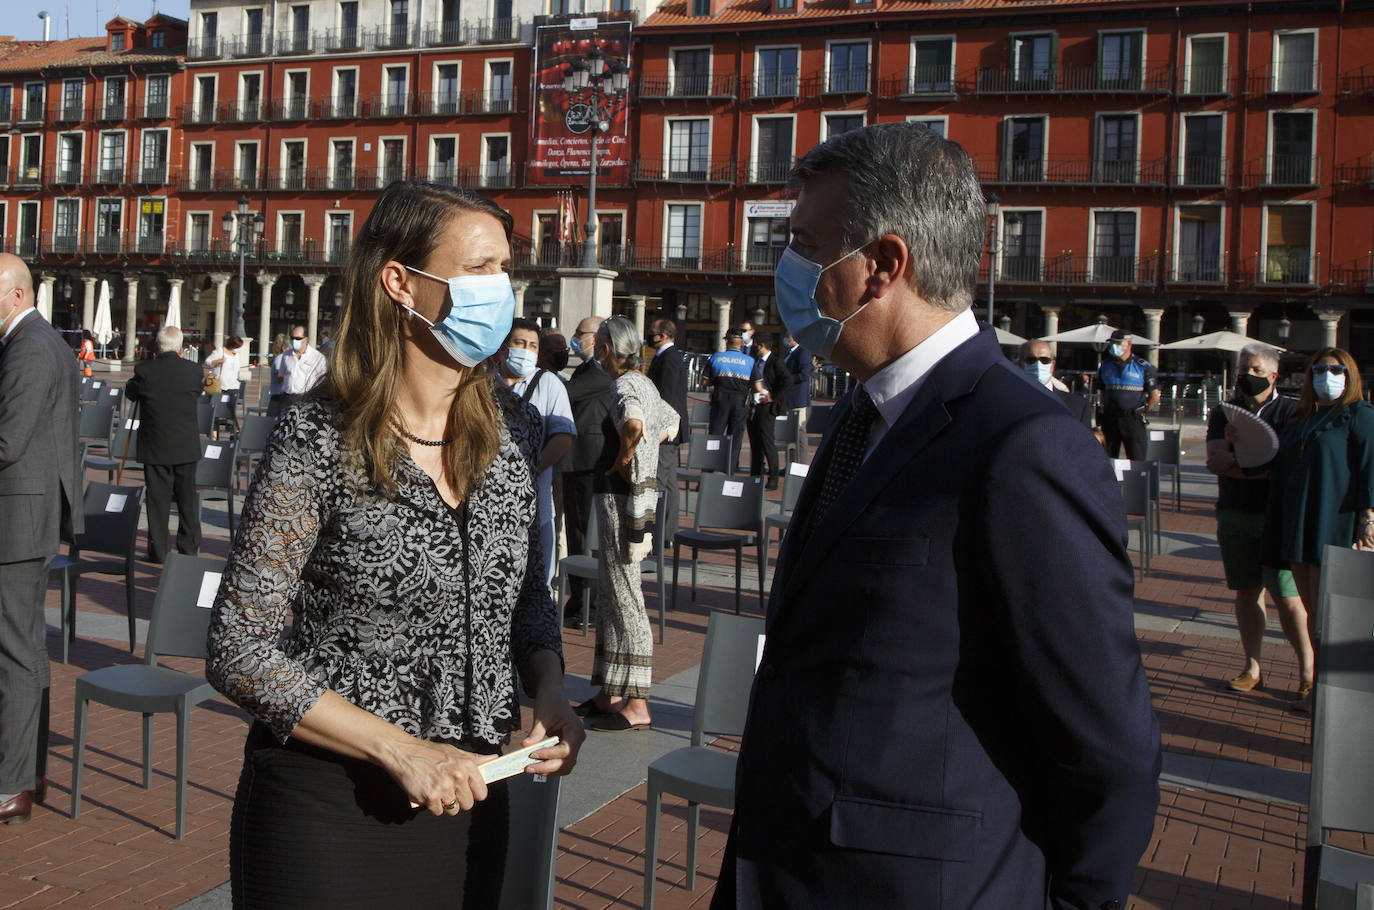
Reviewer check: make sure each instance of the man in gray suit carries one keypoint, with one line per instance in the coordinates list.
(40, 505)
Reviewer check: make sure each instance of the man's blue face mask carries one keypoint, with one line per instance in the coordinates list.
(794, 283)
(480, 311)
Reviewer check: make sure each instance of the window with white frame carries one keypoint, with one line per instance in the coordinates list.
(6, 103)
(499, 87)
(198, 237)
(156, 98)
(340, 235)
(345, 100)
(209, 32)
(496, 160)
(1117, 137)
(250, 96)
(73, 94)
(152, 225)
(689, 149)
(116, 90)
(293, 164)
(246, 165)
(112, 157)
(400, 23)
(1022, 231)
(1202, 149)
(445, 98)
(775, 72)
(773, 149)
(393, 158)
(847, 66)
(937, 125)
(1024, 159)
(1291, 142)
(684, 235)
(1295, 62)
(33, 101)
(397, 94)
(205, 99)
(153, 160)
(1032, 60)
(1120, 60)
(29, 215)
(117, 41)
(1114, 239)
(4, 170)
(1198, 255)
(66, 225)
(297, 94)
(768, 237)
(31, 157)
(202, 165)
(443, 160)
(932, 72)
(109, 224)
(71, 148)
(1206, 72)
(835, 124)
(298, 39)
(252, 31)
(290, 233)
(1288, 244)
(341, 176)
(691, 72)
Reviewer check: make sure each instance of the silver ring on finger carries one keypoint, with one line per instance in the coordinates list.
(449, 807)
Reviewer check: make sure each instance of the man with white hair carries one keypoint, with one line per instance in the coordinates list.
(167, 389)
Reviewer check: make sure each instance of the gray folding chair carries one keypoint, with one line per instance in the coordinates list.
(700, 414)
(584, 565)
(1135, 493)
(181, 619)
(785, 433)
(123, 449)
(1341, 797)
(791, 489)
(1165, 447)
(729, 504)
(96, 423)
(215, 474)
(1155, 509)
(531, 843)
(205, 415)
(704, 453)
(224, 411)
(818, 418)
(251, 442)
(111, 515)
(697, 772)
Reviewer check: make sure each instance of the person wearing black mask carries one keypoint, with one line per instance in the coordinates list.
(1242, 500)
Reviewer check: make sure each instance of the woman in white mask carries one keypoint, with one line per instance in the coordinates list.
(1323, 489)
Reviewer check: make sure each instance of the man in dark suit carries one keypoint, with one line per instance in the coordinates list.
(776, 382)
(166, 389)
(1037, 360)
(668, 372)
(747, 346)
(798, 363)
(950, 709)
(40, 506)
(588, 396)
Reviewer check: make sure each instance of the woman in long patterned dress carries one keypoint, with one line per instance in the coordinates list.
(626, 502)
(393, 518)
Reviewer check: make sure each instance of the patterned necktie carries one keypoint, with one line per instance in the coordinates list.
(851, 441)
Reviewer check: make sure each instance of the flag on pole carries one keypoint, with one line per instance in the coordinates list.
(567, 217)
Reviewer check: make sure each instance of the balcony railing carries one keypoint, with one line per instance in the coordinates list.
(291, 109)
(446, 174)
(298, 42)
(243, 112)
(156, 110)
(684, 170)
(112, 111)
(502, 102)
(204, 49)
(65, 244)
(1286, 266)
(108, 244)
(27, 175)
(1353, 276)
(26, 247)
(768, 170)
(846, 80)
(1077, 271)
(219, 180)
(495, 176)
(441, 104)
(388, 106)
(921, 82)
(774, 85)
(338, 107)
(445, 34)
(1078, 170)
(108, 176)
(690, 85)
(387, 37)
(1360, 82)
(1205, 79)
(1199, 269)
(151, 243)
(1283, 171)
(343, 39)
(762, 259)
(1356, 172)
(66, 176)
(202, 113)
(494, 31)
(1201, 171)
(1293, 77)
(1003, 80)
(70, 113)
(152, 174)
(246, 46)
(267, 252)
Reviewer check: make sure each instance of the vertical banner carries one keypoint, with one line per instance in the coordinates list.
(562, 122)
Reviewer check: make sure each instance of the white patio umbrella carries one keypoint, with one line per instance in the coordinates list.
(1216, 341)
(103, 330)
(1008, 339)
(1097, 333)
(173, 308)
(44, 301)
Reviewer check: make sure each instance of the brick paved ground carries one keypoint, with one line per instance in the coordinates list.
(1208, 850)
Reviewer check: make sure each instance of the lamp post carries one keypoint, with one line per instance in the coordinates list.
(993, 208)
(592, 71)
(242, 230)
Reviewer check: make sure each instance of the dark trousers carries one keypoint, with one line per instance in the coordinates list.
(728, 415)
(667, 482)
(577, 512)
(1126, 430)
(24, 672)
(762, 447)
(165, 481)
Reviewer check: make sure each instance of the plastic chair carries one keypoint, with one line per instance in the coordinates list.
(205, 415)
(123, 448)
(791, 489)
(818, 418)
(704, 453)
(264, 401)
(1167, 450)
(224, 411)
(532, 842)
(1155, 509)
(786, 429)
(111, 515)
(700, 414)
(584, 565)
(1341, 795)
(215, 474)
(251, 443)
(1135, 493)
(178, 629)
(697, 772)
(96, 422)
(727, 504)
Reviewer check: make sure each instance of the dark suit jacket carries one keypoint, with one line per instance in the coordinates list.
(798, 362)
(167, 389)
(668, 372)
(777, 379)
(950, 710)
(589, 397)
(40, 459)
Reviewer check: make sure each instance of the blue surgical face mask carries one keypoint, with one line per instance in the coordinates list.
(1040, 372)
(521, 361)
(794, 283)
(480, 311)
(1116, 351)
(1328, 386)
(297, 343)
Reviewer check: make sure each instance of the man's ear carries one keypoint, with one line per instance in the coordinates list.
(891, 259)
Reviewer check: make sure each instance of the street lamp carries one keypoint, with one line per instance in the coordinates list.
(1198, 324)
(242, 230)
(1285, 328)
(592, 71)
(993, 207)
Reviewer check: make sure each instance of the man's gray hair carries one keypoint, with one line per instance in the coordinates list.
(624, 341)
(168, 339)
(905, 179)
(1263, 353)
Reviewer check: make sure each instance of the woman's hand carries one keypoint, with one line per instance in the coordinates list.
(1364, 530)
(630, 433)
(436, 776)
(553, 716)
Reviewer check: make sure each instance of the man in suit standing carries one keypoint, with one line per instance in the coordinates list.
(590, 402)
(798, 363)
(668, 373)
(746, 335)
(1038, 361)
(769, 404)
(950, 709)
(40, 506)
(167, 389)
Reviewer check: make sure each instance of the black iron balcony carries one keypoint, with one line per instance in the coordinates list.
(204, 49)
(762, 258)
(496, 176)
(1019, 268)
(392, 37)
(339, 107)
(1353, 276)
(1360, 82)
(390, 173)
(1205, 79)
(768, 170)
(1106, 269)
(1283, 171)
(1356, 172)
(108, 176)
(774, 85)
(65, 244)
(112, 110)
(690, 85)
(1285, 266)
(1201, 171)
(441, 104)
(846, 80)
(107, 244)
(243, 111)
(493, 31)
(151, 244)
(684, 169)
(498, 102)
(445, 34)
(1287, 77)
(928, 81)
(1081, 171)
(28, 175)
(201, 113)
(451, 174)
(154, 174)
(154, 110)
(246, 46)
(66, 176)
(388, 106)
(27, 247)
(73, 112)
(300, 41)
(218, 181)
(292, 109)
(1004, 80)
(293, 179)
(343, 39)
(1191, 269)
(345, 177)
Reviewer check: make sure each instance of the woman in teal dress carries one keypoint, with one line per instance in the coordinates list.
(1324, 477)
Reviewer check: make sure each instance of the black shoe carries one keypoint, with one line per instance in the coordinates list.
(772, 484)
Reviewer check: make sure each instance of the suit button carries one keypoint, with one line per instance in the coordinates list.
(768, 672)
(1111, 905)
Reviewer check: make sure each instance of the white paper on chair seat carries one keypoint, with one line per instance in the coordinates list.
(114, 393)
(116, 502)
(224, 399)
(799, 468)
(758, 655)
(209, 587)
(732, 488)
(1120, 466)
(713, 445)
(95, 385)
(212, 452)
(131, 424)
(1156, 436)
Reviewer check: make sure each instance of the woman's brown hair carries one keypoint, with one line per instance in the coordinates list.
(1354, 390)
(365, 369)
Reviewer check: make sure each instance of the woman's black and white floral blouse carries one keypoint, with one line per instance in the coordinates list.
(387, 611)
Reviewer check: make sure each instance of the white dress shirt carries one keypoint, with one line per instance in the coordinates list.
(300, 372)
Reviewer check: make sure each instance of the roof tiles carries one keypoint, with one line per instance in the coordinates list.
(32, 56)
(674, 13)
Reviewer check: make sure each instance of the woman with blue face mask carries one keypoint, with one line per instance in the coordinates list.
(1323, 482)
(393, 517)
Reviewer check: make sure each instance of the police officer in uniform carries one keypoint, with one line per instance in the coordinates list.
(730, 375)
(1129, 390)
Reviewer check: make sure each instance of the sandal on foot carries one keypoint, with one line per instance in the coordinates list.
(588, 708)
(615, 723)
(1246, 683)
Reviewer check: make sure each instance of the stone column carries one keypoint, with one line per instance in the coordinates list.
(722, 305)
(221, 280)
(265, 282)
(130, 317)
(88, 305)
(637, 304)
(1153, 316)
(1331, 320)
(1052, 325)
(313, 283)
(1240, 320)
(49, 282)
(519, 287)
(174, 287)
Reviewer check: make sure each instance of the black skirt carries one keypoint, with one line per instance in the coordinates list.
(312, 828)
